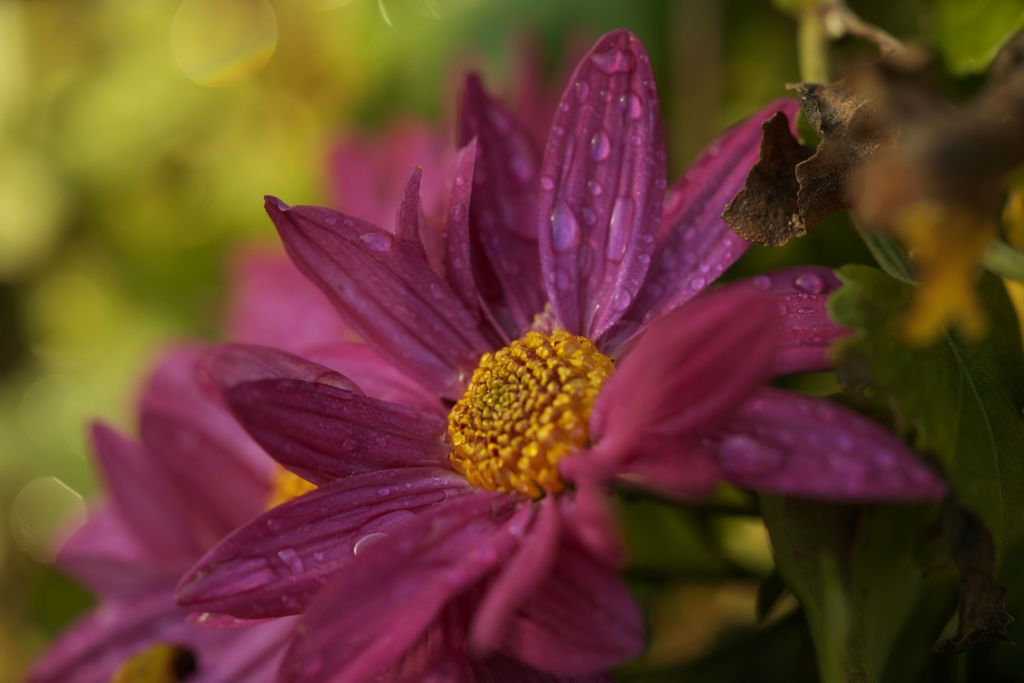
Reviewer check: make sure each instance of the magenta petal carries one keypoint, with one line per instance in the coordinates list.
(581, 620)
(504, 206)
(364, 170)
(689, 371)
(143, 497)
(796, 445)
(673, 467)
(696, 245)
(273, 304)
(105, 554)
(407, 225)
(375, 376)
(97, 644)
(376, 608)
(387, 292)
(458, 254)
(199, 447)
(521, 574)
(801, 293)
(272, 566)
(326, 431)
(602, 182)
(229, 365)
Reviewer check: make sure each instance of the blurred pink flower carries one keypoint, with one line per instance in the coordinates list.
(458, 533)
(166, 504)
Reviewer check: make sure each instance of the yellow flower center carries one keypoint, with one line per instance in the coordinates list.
(527, 406)
(287, 485)
(161, 663)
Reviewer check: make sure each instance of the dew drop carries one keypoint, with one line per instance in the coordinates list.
(582, 90)
(810, 283)
(743, 455)
(632, 105)
(547, 183)
(460, 181)
(585, 260)
(595, 188)
(600, 146)
(762, 282)
(458, 212)
(589, 217)
(291, 559)
(614, 61)
(619, 228)
(330, 220)
(376, 241)
(366, 541)
(697, 283)
(565, 231)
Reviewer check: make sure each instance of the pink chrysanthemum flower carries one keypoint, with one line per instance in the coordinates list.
(457, 533)
(165, 506)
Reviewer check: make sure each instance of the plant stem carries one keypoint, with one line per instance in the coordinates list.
(812, 44)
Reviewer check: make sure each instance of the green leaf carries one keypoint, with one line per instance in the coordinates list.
(856, 573)
(970, 32)
(957, 401)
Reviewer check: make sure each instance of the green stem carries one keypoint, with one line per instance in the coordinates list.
(1004, 260)
(812, 44)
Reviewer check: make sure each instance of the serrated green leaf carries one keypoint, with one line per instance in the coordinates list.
(957, 401)
(970, 32)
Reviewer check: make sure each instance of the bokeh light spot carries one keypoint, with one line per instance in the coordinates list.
(218, 43)
(44, 508)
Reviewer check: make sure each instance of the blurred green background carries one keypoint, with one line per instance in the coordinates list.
(137, 139)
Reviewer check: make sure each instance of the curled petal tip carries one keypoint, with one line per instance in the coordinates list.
(272, 204)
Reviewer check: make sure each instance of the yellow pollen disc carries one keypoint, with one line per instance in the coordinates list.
(161, 663)
(287, 485)
(527, 406)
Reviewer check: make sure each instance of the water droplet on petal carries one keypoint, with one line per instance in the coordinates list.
(546, 183)
(812, 283)
(614, 61)
(366, 541)
(697, 283)
(619, 228)
(582, 90)
(330, 220)
(600, 146)
(744, 455)
(634, 107)
(565, 231)
(762, 282)
(460, 181)
(595, 188)
(458, 212)
(376, 241)
(291, 559)
(589, 217)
